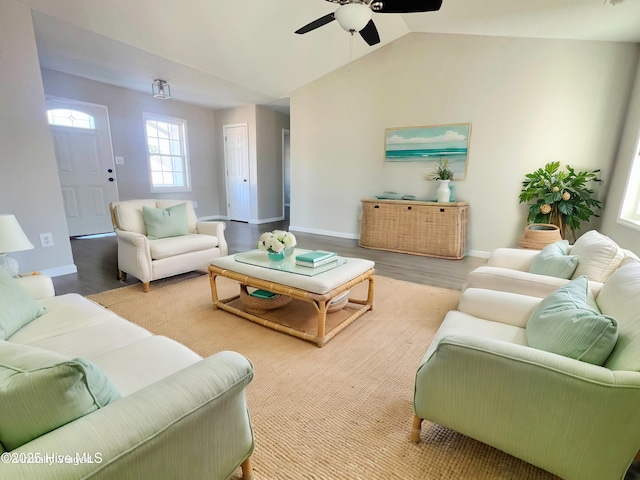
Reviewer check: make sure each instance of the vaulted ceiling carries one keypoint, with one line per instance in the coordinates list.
(227, 53)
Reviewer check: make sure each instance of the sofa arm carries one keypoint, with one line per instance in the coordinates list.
(134, 254)
(193, 424)
(543, 408)
(514, 258)
(503, 307)
(516, 281)
(217, 230)
(39, 286)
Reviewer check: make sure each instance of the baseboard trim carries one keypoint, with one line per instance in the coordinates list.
(478, 253)
(267, 220)
(59, 271)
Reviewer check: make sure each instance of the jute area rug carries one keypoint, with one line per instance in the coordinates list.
(343, 411)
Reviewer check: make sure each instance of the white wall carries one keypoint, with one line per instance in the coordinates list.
(530, 101)
(29, 183)
(624, 235)
(270, 167)
(126, 108)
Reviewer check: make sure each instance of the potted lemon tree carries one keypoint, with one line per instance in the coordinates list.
(560, 197)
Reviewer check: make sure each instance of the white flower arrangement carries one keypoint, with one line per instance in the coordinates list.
(276, 241)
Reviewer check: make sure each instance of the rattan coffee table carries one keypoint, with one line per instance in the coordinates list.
(312, 291)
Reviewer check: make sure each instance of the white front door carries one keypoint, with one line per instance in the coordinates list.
(236, 158)
(82, 142)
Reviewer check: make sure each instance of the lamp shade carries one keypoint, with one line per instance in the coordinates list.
(353, 17)
(12, 237)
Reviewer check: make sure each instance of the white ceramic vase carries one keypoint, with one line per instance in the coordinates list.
(443, 193)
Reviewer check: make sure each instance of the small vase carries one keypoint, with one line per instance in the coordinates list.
(276, 256)
(443, 191)
(288, 251)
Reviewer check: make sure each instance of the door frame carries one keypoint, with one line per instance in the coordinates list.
(286, 132)
(226, 166)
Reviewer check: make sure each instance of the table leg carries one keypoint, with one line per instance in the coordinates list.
(322, 320)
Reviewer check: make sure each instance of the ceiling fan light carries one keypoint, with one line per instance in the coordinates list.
(353, 17)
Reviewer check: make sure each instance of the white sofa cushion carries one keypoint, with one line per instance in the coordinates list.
(43, 390)
(599, 256)
(144, 362)
(458, 323)
(620, 297)
(128, 215)
(78, 327)
(172, 246)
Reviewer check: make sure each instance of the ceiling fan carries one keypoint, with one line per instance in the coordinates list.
(355, 15)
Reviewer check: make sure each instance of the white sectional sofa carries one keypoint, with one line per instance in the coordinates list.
(488, 375)
(508, 269)
(85, 394)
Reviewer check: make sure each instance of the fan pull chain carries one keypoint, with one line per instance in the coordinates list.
(350, 59)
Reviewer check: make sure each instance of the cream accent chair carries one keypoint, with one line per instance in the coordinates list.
(150, 260)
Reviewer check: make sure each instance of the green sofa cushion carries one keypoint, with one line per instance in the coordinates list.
(17, 307)
(167, 222)
(42, 390)
(554, 261)
(568, 322)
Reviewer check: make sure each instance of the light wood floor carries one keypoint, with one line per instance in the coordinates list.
(96, 259)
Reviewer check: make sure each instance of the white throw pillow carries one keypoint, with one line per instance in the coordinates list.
(599, 256)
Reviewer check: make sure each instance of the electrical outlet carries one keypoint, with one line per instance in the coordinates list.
(46, 239)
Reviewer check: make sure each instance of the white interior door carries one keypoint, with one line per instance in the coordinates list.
(82, 142)
(236, 158)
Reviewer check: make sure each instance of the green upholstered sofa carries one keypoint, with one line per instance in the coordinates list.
(574, 419)
(171, 413)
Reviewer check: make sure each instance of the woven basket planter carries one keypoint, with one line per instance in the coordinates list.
(260, 305)
(539, 235)
(340, 304)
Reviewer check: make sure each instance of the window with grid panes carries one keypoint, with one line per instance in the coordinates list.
(167, 153)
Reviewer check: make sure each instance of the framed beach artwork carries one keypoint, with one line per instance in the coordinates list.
(430, 144)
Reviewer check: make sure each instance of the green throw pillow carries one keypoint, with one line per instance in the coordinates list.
(17, 307)
(568, 322)
(42, 390)
(554, 261)
(168, 222)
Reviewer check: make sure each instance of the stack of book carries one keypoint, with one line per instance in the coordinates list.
(316, 258)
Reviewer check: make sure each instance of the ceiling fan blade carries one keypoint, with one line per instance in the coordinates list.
(405, 6)
(317, 23)
(370, 33)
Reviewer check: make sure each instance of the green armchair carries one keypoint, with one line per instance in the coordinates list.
(574, 419)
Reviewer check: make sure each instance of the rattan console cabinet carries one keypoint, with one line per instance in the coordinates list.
(420, 228)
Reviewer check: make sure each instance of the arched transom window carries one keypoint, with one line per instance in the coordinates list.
(65, 117)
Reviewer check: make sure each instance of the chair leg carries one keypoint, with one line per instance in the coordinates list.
(145, 287)
(247, 469)
(415, 430)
